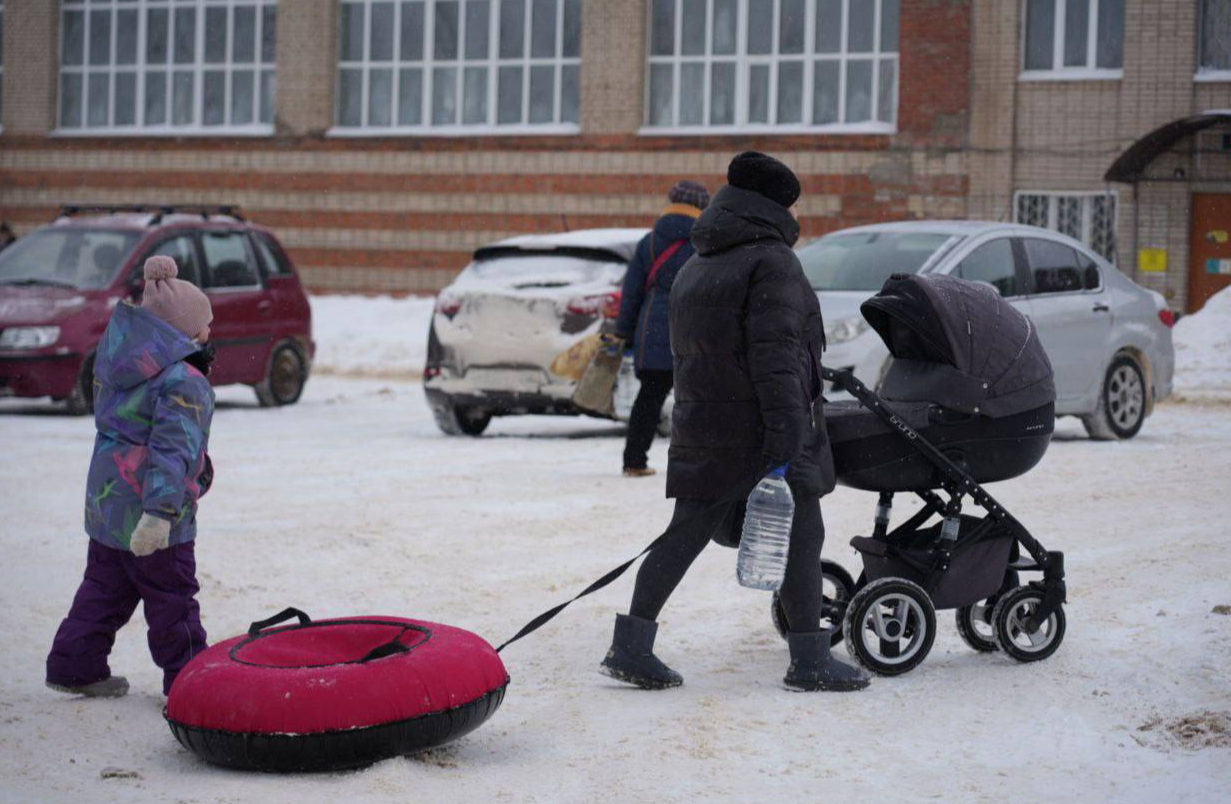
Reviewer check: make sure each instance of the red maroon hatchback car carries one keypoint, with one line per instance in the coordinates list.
(59, 284)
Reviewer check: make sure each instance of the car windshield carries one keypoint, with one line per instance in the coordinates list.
(542, 270)
(864, 260)
(68, 257)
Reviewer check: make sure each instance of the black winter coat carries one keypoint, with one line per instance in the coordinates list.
(747, 336)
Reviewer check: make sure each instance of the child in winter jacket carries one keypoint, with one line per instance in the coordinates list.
(152, 410)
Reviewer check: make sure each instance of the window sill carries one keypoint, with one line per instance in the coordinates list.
(1071, 75)
(188, 131)
(741, 131)
(564, 129)
(1212, 76)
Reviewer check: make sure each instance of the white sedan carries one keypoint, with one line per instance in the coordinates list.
(1108, 338)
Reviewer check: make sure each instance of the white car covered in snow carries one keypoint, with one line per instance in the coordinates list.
(496, 330)
(1109, 340)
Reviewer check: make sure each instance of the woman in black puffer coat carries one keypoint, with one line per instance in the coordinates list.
(747, 336)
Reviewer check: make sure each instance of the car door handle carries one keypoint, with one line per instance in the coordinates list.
(264, 305)
(1101, 308)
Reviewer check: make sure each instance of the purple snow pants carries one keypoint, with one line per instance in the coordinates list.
(115, 581)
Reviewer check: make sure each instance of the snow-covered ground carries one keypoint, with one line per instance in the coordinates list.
(351, 502)
(363, 336)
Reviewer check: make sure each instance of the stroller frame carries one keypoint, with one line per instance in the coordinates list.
(958, 484)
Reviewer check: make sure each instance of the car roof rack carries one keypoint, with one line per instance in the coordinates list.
(158, 211)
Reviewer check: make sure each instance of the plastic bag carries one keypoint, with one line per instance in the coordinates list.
(571, 364)
(626, 389)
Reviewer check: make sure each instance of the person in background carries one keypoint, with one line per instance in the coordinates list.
(747, 336)
(153, 406)
(644, 310)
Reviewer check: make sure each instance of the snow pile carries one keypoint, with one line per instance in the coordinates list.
(370, 337)
(1203, 350)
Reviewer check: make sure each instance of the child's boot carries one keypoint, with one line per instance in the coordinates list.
(110, 687)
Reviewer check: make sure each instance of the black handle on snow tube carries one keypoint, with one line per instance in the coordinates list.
(387, 649)
(281, 617)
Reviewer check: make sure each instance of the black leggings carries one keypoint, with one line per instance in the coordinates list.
(664, 568)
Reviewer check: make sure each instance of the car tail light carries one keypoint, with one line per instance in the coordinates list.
(606, 304)
(431, 372)
(1167, 317)
(448, 305)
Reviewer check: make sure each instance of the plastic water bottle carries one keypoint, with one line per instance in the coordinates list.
(766, 536)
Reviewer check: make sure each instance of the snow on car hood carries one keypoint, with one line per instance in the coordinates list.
(838, 305)
(37, 304)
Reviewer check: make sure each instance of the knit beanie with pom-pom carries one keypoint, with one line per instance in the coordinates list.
(181, 304)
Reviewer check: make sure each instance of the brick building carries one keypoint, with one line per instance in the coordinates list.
(1110, 120)
(386, 139)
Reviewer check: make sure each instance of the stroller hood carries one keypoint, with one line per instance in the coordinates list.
(958, 344)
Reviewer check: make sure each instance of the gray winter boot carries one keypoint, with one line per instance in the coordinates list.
(813, 668)
(111, 687)
(631, 658)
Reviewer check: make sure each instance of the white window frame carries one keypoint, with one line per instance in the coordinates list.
(1087, 214)
(1062, 73)
(198, 67)
(744, 61)
(493, 62)
(1207, 74)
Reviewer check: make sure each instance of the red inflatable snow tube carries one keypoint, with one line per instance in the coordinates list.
(330, 695)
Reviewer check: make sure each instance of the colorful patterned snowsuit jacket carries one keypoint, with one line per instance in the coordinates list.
(152, 412)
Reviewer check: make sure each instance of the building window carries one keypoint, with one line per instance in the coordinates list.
(1215, 58)
(437, 66)
(162, 67)
(1087, 217)
(773, 64)
(1074, 39)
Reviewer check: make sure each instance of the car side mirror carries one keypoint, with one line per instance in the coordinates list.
(136, 287)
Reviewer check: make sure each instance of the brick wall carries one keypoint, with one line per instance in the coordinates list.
(405, 213)
(31, 50)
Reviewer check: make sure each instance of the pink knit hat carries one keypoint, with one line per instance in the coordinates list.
(181, 304)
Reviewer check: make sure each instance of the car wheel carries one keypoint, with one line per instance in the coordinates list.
(1121, 404)
(81, 400)
(455, 421)
(284, 382)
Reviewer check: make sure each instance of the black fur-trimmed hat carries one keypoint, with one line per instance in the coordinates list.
(759, 173)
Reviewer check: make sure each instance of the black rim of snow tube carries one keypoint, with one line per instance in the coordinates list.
(336, 750)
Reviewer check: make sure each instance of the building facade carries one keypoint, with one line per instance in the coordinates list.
(1110, 120)
(386, 139)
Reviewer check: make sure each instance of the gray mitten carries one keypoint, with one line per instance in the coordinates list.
(152, 533)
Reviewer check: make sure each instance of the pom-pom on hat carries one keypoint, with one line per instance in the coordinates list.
(689, 192)
(181, 304)
(758, 173)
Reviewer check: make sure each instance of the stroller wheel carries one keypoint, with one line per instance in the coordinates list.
(974, 626)
(837, 588)
(1009, 617)
(890, 626)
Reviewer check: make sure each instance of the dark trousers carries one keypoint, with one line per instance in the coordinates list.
(646, 413)
(665, 566)
(115, 582)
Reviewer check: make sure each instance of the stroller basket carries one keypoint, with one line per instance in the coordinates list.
(976, 567)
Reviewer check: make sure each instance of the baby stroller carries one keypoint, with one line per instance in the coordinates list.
(968, 399)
